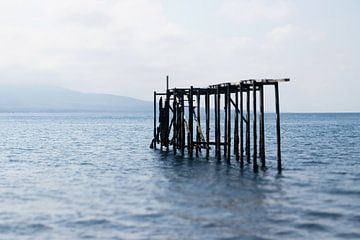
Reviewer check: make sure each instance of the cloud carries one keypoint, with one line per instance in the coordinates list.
(85, 44)
(108, 46)
(125, 47)
(256, 10)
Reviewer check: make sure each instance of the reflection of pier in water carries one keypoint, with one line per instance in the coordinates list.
(176, 126)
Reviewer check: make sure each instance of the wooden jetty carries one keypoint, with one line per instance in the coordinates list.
(179, 122)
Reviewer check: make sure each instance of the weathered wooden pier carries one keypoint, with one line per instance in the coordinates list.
(179, 122)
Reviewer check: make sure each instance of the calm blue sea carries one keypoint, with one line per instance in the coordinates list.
(93, 176)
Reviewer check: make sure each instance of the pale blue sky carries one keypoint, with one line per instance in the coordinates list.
(127, 46)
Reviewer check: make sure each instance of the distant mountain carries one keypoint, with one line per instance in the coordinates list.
(44, 98)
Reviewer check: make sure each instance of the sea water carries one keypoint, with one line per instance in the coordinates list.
(93, 176)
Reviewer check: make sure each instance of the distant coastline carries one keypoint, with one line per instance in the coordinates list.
(54, 99)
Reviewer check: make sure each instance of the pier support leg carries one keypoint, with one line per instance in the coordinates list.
(182, 125)
(216, 123)
(191, 123)
(241, 127)
(278, 130)
(225, 124)
(175, 126)
(207, 113)
(228, 124)
(161, 125)
(236, 126)
(154, 143)
(248, 125)
(198, 125)
(167, 116)
(255, 166)
(262, 127)
(218, 132)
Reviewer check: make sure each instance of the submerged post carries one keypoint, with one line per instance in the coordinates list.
(154, 141)
(161, 120)
(262, 127)
(236, 126)
(198, 126)
(255, 166)
(218, 132)
(228, 118)
(278, 139)
(191, 122)
(225, 123)
(248, 124)
(182, 125)
(241, 127)
(175, 122)
(207, 113)
(166, 120)
(216, 122)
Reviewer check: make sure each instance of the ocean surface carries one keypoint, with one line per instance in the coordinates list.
(93, 176)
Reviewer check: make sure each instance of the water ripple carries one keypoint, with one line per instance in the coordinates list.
(92, 176)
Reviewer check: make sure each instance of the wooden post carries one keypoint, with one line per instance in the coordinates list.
(207, 113)
(225, 122)
(241, 127)
(279, 167)
(262, 127)
(161, 120)
(175, 122)
(228, 118)
(218, 132)
(167, 116)
(167, 83)
(191, 122)
(248, 124)
(154, 143)
(182, 127)
(255, 166)
(216, 122)
(236, 125)
(198, 137)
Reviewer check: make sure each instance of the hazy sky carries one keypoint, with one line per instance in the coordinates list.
(126, 47)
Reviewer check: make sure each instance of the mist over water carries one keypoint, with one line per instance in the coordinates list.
(93, 176)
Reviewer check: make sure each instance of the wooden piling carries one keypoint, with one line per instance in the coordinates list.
(182, 125)
(198, 130)
(248, 125)
(166, 119)
(262, 128)
(191, 122)
(228, 127)
(216, 122)
(175, 122)
(236, 125)
(241, 126)
(255, 166)
(225, 123)
(154, 141)
(218, 132)
(161, 120)
(207, 115)
(278, 130)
